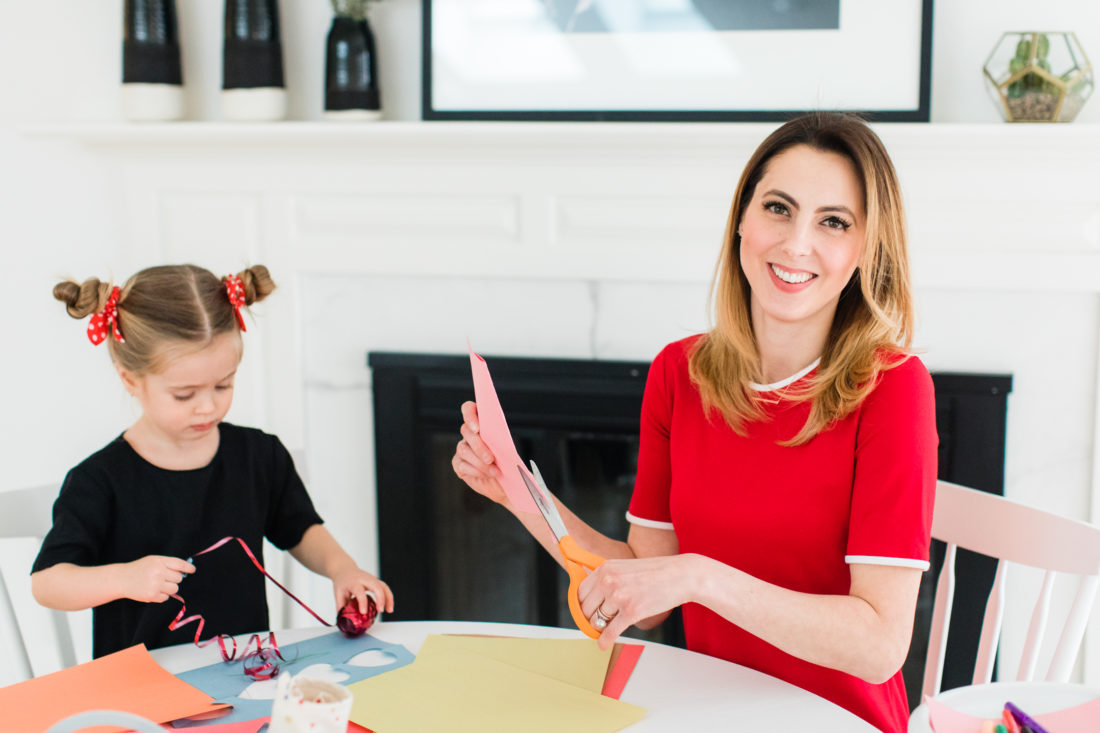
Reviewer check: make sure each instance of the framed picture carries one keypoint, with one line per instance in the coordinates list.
(672, 60)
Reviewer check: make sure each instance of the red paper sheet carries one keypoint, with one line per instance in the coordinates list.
(129, 680)
(622, 664)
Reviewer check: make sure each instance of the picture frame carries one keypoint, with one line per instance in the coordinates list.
(675, 60)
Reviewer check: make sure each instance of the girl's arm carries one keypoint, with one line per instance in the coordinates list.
(865, 633)
(319, 551)
(68, 587)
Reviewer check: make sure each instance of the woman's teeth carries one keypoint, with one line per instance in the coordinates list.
(791, 277)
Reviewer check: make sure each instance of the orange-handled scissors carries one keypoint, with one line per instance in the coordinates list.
(578, 562)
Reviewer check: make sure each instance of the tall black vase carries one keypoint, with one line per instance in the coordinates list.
(252, 62)
(351, 76)
(152, 80)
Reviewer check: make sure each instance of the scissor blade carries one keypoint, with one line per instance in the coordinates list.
(551, 509)
(545, 505)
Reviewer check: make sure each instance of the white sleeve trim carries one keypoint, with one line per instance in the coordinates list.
(648, 522)
(900, 562)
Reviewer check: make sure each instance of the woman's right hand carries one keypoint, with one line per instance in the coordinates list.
(473, 462)
(153, 578)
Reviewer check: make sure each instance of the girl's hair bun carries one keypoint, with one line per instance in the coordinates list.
(82, 299)
(257, 283)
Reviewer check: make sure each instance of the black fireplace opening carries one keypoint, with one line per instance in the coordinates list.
(451, 554)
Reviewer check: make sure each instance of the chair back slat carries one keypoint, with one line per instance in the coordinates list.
(1036, 630)
(937, 636)
(991, 628)
(1000, 528)
(1065, 654)
(27, 513)
(10, 627)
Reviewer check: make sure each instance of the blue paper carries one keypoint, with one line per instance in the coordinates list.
(333, 657)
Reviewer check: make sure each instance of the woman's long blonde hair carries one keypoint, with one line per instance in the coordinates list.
(873, 324)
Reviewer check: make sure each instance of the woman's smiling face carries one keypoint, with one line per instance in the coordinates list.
(801, 237)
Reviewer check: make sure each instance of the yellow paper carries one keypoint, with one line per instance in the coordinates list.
(578, 662)
(470, 693)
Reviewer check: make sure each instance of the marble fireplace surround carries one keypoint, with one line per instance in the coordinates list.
(598, 241)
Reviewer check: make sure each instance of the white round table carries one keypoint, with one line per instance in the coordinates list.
(682, 690)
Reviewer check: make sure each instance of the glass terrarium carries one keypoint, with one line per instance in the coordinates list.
(1039, 76)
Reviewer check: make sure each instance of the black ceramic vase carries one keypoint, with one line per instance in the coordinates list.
(351, 77)
(252, 62)
(152, 81)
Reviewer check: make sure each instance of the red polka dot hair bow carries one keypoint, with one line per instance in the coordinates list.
(234, 288)
(108, 317)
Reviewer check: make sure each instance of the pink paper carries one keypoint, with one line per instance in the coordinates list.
(1083, 718)
(494, 431)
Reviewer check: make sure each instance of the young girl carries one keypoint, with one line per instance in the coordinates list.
(787, 459)
(179, 479)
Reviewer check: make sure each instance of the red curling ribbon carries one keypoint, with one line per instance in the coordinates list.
(234, 288)
(106, 320)
(258, 664)
(261, 664)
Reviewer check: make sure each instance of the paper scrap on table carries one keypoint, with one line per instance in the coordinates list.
(1078, 719)
(253, 726)
(578, 662)
(129, 681)
(331, 656)
(470, 693)
(624, 657)
(493, 429)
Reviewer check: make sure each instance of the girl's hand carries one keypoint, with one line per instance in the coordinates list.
(632, 590)
(153, 578)
(473, 462)
(354, 583)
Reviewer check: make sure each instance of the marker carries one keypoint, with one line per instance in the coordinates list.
(1010, 722)
(1025, 720)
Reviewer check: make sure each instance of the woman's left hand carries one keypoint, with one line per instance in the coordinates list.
(354, 583)
(630, 591)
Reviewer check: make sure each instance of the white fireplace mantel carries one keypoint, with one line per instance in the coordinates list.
(1032, 174)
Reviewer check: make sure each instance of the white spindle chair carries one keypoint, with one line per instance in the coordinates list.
(1011, 532)
(26, 513)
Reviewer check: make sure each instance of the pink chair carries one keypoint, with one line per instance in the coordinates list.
(1012, 533)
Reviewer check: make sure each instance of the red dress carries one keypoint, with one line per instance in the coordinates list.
(860, 491)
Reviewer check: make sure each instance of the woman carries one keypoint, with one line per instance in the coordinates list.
(787, 460)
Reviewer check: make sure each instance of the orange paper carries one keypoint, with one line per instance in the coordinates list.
(129, 680)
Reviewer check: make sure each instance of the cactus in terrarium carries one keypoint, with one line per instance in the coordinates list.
(1039, 76)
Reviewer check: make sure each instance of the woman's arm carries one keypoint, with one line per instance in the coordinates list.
(865, 633)
(319, 551)
(68, 587)
(474, 463)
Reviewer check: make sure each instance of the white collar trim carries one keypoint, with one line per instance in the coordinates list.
(784, 382)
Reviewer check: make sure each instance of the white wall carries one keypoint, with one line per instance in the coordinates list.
(61, 214)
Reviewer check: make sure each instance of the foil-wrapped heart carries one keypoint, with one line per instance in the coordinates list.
(351, 622)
